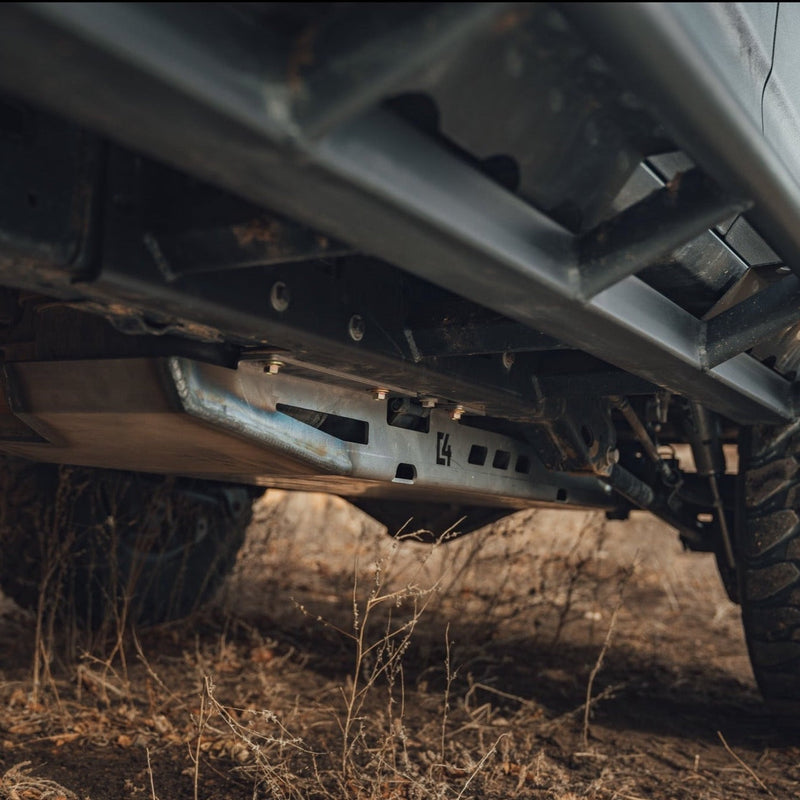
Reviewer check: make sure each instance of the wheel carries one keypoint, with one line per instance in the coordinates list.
(102, 544)
(768, 545)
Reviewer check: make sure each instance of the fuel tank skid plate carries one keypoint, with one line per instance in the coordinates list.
(184, 417)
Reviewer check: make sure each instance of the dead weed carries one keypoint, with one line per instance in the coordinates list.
(340, 663)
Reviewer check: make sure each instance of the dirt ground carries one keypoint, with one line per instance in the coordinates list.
(554, 655)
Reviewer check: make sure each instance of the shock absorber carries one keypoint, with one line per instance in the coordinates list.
(709, 460)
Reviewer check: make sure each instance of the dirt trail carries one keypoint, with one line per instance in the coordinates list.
(253, 694)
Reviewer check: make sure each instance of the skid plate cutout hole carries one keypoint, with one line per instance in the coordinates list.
(405, 473)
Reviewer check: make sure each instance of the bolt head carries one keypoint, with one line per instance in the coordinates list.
(457, 413)
(508, 360)
(428, 402)
(273, 367)
(379, 394)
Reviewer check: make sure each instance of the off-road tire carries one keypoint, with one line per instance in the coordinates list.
(768, 545)
(101, 545)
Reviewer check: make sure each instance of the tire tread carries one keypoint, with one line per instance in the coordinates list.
(768, 553)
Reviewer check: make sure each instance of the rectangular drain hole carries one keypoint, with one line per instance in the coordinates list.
(477, 455)
(523, 465)
(405, 473)
(502, 458)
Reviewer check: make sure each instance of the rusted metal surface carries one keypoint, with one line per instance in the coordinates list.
(685, 208)
(261, 241)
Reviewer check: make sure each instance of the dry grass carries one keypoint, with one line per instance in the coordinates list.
(18, 783)
(340, 663)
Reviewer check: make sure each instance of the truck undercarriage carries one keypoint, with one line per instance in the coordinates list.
(443, 260)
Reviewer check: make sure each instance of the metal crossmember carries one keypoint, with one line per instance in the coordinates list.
(208, 95)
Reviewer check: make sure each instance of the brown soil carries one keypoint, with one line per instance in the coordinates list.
(249, 699)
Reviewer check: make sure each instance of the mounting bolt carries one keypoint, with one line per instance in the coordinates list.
(356, 327)
(613, 455)
(380, 394)
(457, 413)
(508, 360)
(273, 366)
(279, 296)
(428, 402)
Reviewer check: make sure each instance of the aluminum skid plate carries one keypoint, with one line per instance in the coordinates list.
(179, 416)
